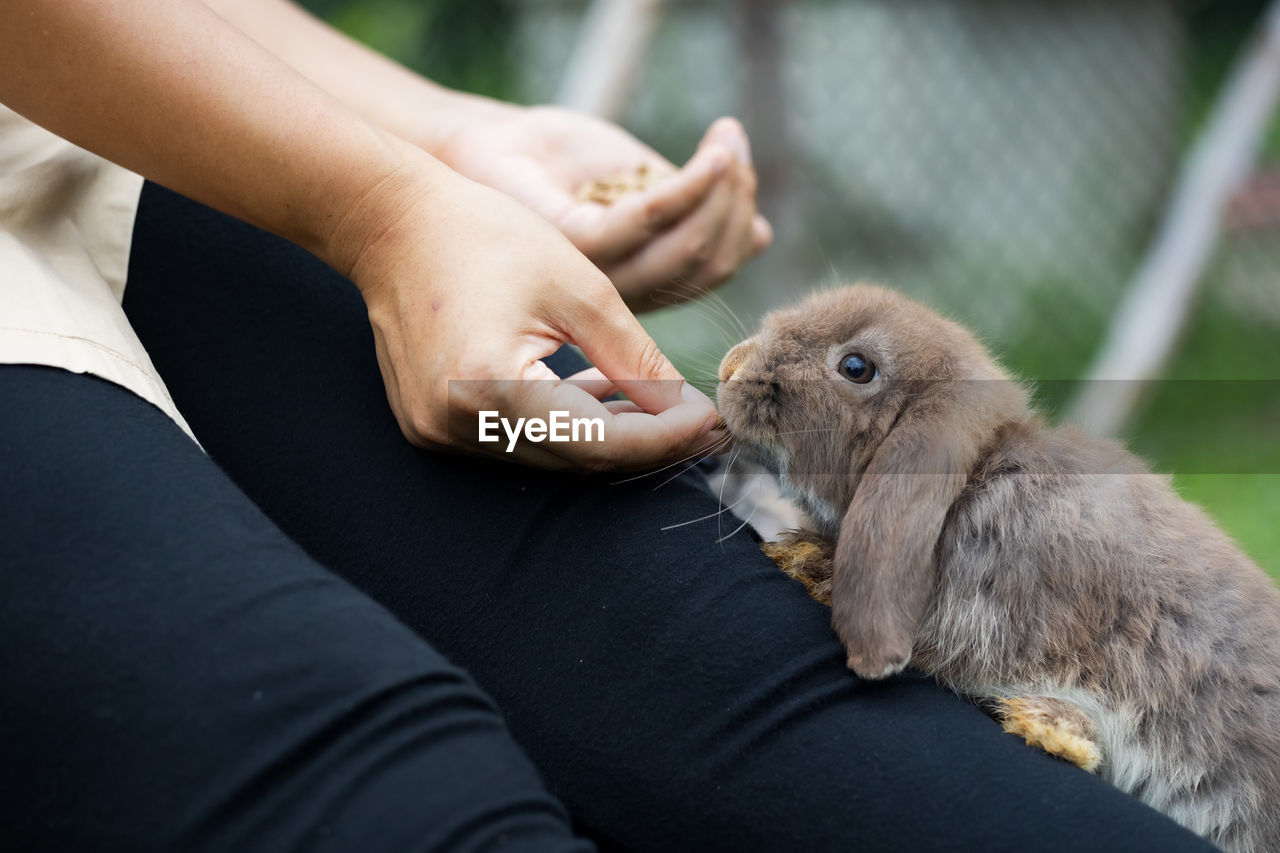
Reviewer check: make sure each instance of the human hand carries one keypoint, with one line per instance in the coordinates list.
(674, 240)
(467, 290)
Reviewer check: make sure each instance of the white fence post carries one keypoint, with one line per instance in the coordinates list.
(1155, 307)
(608, 55)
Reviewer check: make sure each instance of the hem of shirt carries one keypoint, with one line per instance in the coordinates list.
(81, 355)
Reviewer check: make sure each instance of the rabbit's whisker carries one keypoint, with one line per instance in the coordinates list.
(835, 276)
(728, 469)
(720, 445)
(706, 364)
(710, 451)
(715, 305)
(755, 485)
(724, 325)
(727, 310)
(800, 431)
(715, 514)
(737, 529)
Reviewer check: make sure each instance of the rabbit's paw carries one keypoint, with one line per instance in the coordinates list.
(1054, 725)
(805, 557)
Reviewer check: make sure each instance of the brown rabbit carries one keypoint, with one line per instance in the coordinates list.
(1035, 568)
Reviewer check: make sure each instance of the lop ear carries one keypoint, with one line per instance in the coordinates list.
(885, 571)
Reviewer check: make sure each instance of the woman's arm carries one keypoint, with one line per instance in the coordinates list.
(461, 282)
(382, 91)
(669, 243)
(169, 90)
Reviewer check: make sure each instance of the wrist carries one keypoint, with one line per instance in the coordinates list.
(375, 212)
(445, 114)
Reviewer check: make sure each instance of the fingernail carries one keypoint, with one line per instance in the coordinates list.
(689, 394)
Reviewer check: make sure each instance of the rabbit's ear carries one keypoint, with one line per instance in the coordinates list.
(884, 571)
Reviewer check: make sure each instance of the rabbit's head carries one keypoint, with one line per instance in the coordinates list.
(872, 410)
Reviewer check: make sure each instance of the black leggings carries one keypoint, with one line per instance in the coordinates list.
(179, 672)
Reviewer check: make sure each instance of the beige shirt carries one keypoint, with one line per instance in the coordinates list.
(66, 224)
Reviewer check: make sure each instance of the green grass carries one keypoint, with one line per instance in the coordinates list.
(1215, 424)
(1246, 506)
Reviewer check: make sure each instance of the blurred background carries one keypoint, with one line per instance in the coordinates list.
(1015, 163)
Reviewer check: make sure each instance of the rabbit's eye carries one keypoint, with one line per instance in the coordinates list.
(856, 368)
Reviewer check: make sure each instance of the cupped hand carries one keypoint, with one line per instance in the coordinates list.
(683, 235)
(467, 290)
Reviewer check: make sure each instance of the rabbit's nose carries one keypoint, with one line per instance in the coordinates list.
(734, 359)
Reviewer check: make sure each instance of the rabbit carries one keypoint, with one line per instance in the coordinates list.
(1038, 570)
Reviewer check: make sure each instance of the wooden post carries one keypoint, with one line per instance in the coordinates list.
(1155, 307)
(608, 56)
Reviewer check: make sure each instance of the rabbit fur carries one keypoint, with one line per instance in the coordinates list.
(1014, 561)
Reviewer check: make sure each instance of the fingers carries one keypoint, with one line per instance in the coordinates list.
(706, 247)
(533, 417)
(747, 233)
(463, 316)
(546, 422)
(735, 244)
(517, 419)
(559, 425)
(594, 383)
(703, 252)
(636, 218)
(730, 133)
(684, 262)
(761, 235)
(618, 345)
(629, 440)
(693, 229)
